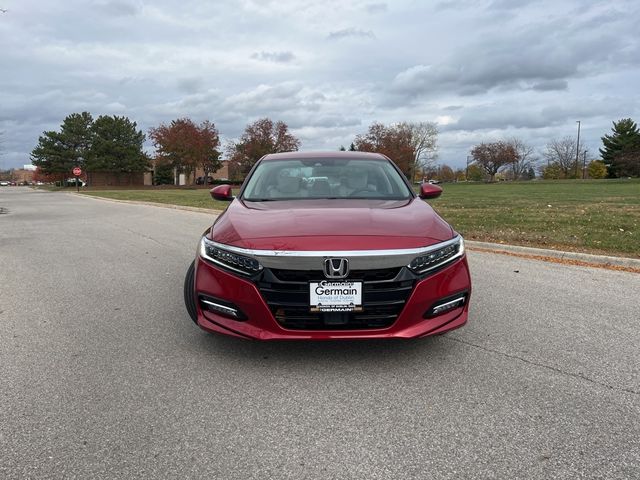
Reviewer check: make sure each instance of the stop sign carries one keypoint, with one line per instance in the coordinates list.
(77, 171)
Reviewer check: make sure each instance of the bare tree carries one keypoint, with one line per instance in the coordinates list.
(424, 137)
(561, 153)
(525, 158)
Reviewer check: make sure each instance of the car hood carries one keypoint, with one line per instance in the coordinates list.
(330, 225)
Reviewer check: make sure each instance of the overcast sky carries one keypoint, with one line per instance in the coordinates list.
(483, 70)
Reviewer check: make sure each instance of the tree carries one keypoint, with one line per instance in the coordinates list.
(475, 173)
(562, 154)
(627, 162)
(163, 174)
(116, 146)
(186, 146)
(445, 173)
(597, 169)
(530, 174)
(259, 139)
(389, 141)
(491, 157)
(624, 140)
(552, 172)
(58, 152)
(460, 174)
(411, 146)
(524, 161)
(423, 138)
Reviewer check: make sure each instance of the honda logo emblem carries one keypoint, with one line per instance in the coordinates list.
(336, 267)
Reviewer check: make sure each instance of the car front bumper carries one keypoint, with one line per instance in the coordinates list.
(259, 322)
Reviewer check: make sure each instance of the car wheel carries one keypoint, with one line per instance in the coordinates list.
(189, 292)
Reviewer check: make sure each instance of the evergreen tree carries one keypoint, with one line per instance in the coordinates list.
(163, 174)
(58, 152)
(620, 150)
(117, 146)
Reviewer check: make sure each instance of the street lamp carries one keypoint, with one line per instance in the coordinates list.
(577, 148)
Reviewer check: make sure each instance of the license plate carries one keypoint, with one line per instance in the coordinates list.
(335, 296)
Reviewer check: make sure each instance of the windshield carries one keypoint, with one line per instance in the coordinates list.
(325, 178)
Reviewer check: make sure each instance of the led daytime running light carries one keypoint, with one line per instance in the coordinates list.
(434, 259)
(233, 261)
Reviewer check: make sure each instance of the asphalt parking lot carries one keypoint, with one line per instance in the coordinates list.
(103, 375)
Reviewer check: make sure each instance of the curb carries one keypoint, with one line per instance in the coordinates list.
(603, 260)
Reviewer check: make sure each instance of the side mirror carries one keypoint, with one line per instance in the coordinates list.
(428, 190)
(222, 193)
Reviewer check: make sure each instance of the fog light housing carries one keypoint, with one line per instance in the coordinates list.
(221, 307)
(446, 305)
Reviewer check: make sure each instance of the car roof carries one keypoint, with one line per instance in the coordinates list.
(338, 154)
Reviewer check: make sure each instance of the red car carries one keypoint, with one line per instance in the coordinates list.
(328, 246)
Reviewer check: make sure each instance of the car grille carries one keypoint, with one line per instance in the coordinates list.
(384, 294)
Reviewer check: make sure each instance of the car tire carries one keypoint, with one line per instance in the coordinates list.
(189, 292)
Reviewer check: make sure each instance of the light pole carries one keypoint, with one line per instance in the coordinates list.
(466, 175)
(584, 164)
(577, 148)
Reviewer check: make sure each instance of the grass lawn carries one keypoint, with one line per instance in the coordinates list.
(598, 216)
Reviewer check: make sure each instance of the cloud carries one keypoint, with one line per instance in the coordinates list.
(190, 85)
(118, 8)
(537, 60)
(378, 7)
(350, 32)
(276, 57)
(548, 85)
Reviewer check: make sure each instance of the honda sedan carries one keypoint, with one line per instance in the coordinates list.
(328, 246)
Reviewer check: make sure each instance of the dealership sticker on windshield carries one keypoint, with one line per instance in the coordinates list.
(335, 296)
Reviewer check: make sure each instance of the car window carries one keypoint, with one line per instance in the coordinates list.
(325, 178)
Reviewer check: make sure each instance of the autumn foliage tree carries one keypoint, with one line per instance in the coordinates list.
(260, 138)
(491, 157)
(597, 169)
(411, 145)
(184, 145)
(445, 173)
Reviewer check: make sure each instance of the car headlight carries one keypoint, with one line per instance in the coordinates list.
(429, 261)
(216, 253)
